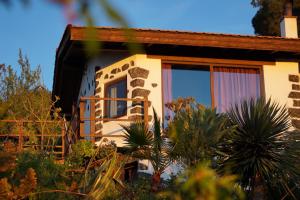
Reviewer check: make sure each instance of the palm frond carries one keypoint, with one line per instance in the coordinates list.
(260, 144)
(157, 140)
(137, 135)
(108, 176)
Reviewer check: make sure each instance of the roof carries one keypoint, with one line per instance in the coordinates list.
(71, 51)
(187, 38)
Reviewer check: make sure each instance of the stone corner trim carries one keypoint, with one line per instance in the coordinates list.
(294, 95)
(141, 92)
(295, 87)
(137, 82)
(296, 123)
(293, 78)
(138, 72)
(294, 112)
(296, 103)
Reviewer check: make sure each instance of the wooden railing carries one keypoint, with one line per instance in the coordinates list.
(18, 132)
(93, 118)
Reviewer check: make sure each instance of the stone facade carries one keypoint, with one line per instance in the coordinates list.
(295, 96)
(137, 78)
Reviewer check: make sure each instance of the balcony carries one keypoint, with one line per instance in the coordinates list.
(96, 123)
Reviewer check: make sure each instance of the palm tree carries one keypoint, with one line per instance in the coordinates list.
(146, 143)
(257, 150)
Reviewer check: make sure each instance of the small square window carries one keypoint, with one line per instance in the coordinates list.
(116, 89)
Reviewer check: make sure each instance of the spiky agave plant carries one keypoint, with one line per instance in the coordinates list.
(148, 143)
(256, 151)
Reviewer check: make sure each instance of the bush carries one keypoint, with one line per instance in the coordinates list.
(49, 174)
(202, 182)
(82, 151)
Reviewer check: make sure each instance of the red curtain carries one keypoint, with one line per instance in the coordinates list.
(233, 84)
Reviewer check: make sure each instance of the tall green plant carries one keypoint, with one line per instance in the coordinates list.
(195, 132)
(145, 143)
(259, 151)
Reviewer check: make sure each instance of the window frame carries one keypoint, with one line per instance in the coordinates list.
(219, 63)
(106, 86)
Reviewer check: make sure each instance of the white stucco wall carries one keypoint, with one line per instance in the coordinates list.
(112, 130)
(276, 81)
(88, 79)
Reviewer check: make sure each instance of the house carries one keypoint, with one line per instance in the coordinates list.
(118, 86)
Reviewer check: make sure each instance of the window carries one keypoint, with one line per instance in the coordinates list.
(233, 85)
(215, 86)
(186, 81)
(116, 89)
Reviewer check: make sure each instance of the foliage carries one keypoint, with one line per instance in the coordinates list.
(267, 19)
(27, 185)
(107, 183)
(257, 151)
(13, 86)
(49, 174)
(139, 189)
(101, 178)
(81, 151)
(148, 144)
(202, 182)
(195, 131)
(8, 154)
(22, 97)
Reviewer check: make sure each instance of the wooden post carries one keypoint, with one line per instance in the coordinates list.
(20, 124)
(92, 118)
(62, 140)
(146, 117)
(81, 117)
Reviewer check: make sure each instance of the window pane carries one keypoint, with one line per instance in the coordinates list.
(116, 90)
(191, 81)
(186, 81)
(233, 85)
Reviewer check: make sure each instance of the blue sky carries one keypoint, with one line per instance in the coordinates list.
(37, 29)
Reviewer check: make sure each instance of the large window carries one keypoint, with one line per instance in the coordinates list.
(186, 81)
(215, 86)
(116, 89)
(233, 84)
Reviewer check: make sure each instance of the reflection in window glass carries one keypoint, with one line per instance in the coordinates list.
(116, 90)
(186, 81)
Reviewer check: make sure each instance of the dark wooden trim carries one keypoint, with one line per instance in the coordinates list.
(82, 105)
(211, 70)
(92, 122)
(144, 36)
(209, 61)
(262, 82)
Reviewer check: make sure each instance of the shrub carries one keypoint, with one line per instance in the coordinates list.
(81, 152)
(261, 151)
